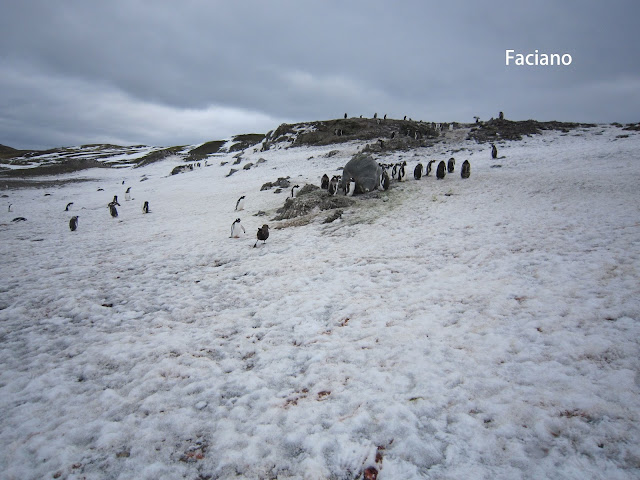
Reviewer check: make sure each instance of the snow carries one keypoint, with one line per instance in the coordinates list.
(480, 328)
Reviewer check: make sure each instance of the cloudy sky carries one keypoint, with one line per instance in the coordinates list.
(162, 72)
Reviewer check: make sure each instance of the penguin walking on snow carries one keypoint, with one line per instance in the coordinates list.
(240, 204)
(429, 167)
(67, 207)
(112, 209)
(333, 186)
(466, 169)
(417, 172)
(237, 229)
(441, 170)
(9, 209)
(145, 207)
(127, 194)
(324, 183)
(451, 165)
(384, 181)
(73, 223)
(494, 151)
(263, 234)
(350, 188)
(115, 200)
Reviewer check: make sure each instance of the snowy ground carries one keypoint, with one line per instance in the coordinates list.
(485, 328)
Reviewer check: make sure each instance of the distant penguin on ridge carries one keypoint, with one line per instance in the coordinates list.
(240, 204)
(73, 223)
(466, 169)
(67, 207)
(145, 207)
(345, 115)
(441, 171)
(236, 229)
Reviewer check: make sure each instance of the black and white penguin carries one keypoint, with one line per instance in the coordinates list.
(67, 207)
(145, 207)
(9, 209)
(441, 170)
(429, 167)
(112, 209)
(494, 151)
(466, 169)
(127, 194)
(451, 165)
(394, 171)
(263, 234)
(293, 188)
(350, 188)
(240, 204)
(405, 117)
(115, 200)
(381, 142)
(402, 173)
(19, 219)
(345, 115)
(324, 183)
(73, 223)
(236, 229)
(501, 116)
(384, 181)
(385, 116)
(375, 115)
(333, 186)
(101, 189)
(417, 172)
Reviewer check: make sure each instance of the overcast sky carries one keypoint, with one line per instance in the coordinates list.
(163, 73)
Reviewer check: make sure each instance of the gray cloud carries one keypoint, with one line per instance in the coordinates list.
(165, 73)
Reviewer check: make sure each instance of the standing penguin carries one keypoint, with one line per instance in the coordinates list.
(350, 188)
(417, 172)
(293, 188)
(441, 170)
(240, 204)
(112, 209)
(263, 234)
(324, 183)
(402, 173)
(451, 165)
(115, 200)
(501, 116)
(67, 207)
(345, 115)
(384, 180)
(429, 167)
(145, 207)
(127, 194)
(9, 209)
(494, 151)
(333, 186)
(466, 169)
(237, 229)
(73, 223)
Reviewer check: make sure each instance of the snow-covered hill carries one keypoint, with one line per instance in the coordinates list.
(447, 329)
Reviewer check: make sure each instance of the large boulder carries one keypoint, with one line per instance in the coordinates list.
(364, 170)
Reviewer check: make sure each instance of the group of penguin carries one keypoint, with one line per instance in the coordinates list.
(237, 229)
(442, 169)
(73, 223)
(333, 185)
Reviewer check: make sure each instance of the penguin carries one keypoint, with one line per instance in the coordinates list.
(240, 204)
(429, 167)
(441, 171)
(375, 115)
(293, 188)
(73, 223)
(501, 116)
(417, 172)
(350, 188)
(9, 209)
(494, 151)
(385, 116)
(394, 171)
(145, 207)
(393, 135)
(345, 115)
(381, 144)
(324, 183)
(405, 118)
(123, 182)
(451, 165)
(401, 172)
(19, 219)
(101, 189)
(333, 186)
(466, 169)
(115, 200)
(112, 209)
(67, 207)
(263, 234)
(236, 229)
(384, 181)
(127, 194)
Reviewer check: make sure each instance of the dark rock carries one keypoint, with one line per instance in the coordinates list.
(247, 166)
(304, 204)
(231, 172)
(364, 170)
(281, 182)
